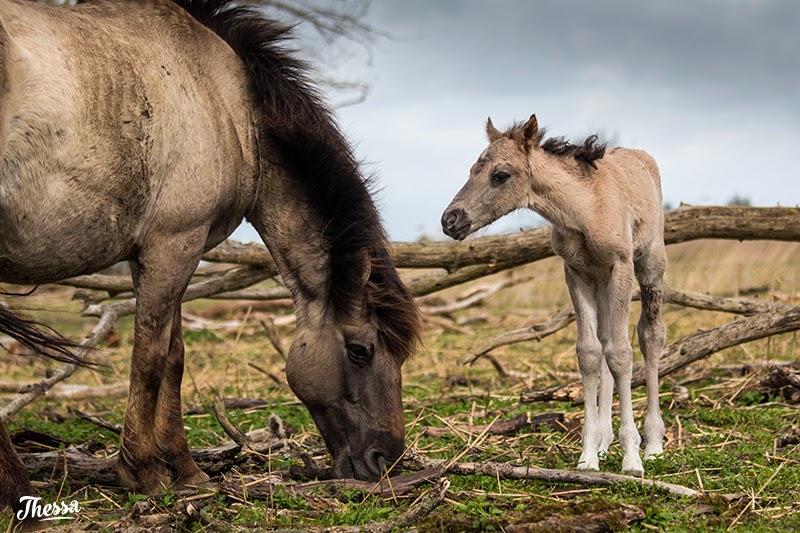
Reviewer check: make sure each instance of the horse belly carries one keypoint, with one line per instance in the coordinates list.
(44, 241)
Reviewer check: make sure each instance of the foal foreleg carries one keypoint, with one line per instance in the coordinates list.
(614, 305)
(590, 363)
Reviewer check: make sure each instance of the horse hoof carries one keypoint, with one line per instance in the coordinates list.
(633, 468)
(143, 481)
(196, 479)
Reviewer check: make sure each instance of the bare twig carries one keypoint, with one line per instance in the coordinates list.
(274, 337)
(415, 461)
(97, 421)
(536, 331)
(231, 430)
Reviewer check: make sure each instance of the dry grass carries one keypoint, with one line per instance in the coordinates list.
(720, 439)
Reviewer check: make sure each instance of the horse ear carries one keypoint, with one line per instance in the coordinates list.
(530, 131)
(491, 132)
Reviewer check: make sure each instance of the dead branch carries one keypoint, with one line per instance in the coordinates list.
(680, 225)
(231, 403)
(600, 522)
(273, 336)
(262, 486)
(473, 296)
(233, 279)
(536, 331)
(739, 306)
(83, 467)
(231, 430)
(415, 461)
(97, 421)
(698, 346)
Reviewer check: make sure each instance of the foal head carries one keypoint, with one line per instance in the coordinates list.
(499, 181)
(502, 178)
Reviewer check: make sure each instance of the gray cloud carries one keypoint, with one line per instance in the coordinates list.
(709, 87)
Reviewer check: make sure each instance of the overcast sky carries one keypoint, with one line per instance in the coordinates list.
(710, 88)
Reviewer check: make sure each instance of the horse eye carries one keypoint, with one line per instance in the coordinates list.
(359, 355)
(500, 177)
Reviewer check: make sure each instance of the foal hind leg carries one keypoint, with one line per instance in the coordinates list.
(590, 362)
(651, 330)
(148, 448)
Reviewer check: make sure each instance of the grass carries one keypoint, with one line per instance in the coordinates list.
(721, 439)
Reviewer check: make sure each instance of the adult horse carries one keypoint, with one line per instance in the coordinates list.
(146, 130)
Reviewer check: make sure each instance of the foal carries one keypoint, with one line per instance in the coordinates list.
(608, 226)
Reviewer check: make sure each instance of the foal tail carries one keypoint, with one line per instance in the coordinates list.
(40, 338)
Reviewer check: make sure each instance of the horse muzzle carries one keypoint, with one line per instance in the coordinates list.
(456, 224)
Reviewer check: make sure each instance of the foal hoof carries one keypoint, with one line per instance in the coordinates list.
(633, 467)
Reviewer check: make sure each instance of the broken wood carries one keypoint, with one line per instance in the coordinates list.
(536, 331)
(415, 461)
(262, 487)
(231, 430)
(97, 421)
(601, 522)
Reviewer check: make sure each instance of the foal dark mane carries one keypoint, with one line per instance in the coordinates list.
(585, 153)
(310, 145)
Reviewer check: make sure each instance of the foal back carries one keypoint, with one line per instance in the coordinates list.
(112, 124)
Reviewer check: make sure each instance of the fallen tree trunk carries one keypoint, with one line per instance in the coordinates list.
(680, 225)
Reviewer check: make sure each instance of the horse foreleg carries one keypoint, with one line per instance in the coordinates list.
(605, 400)
(172, 443)
(590, 362)
(614, 306)
(152, 441)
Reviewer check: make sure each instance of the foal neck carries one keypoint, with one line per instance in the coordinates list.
(560, 192)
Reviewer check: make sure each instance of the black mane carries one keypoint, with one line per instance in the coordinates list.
(585, 153)
(301, 129)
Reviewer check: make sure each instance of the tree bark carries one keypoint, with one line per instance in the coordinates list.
(680, 225)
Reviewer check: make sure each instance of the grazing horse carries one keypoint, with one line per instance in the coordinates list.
(608, 227)
(146, 131)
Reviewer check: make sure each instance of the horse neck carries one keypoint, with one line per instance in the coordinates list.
(292, 231)
(560, 192)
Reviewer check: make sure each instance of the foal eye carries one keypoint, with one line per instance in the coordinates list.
(359, 355)
(500, 177)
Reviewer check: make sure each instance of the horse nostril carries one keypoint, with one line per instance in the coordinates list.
(377, 462)
(451, 218)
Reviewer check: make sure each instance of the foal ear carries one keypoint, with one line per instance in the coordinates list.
(530, 131)
(491, 132)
